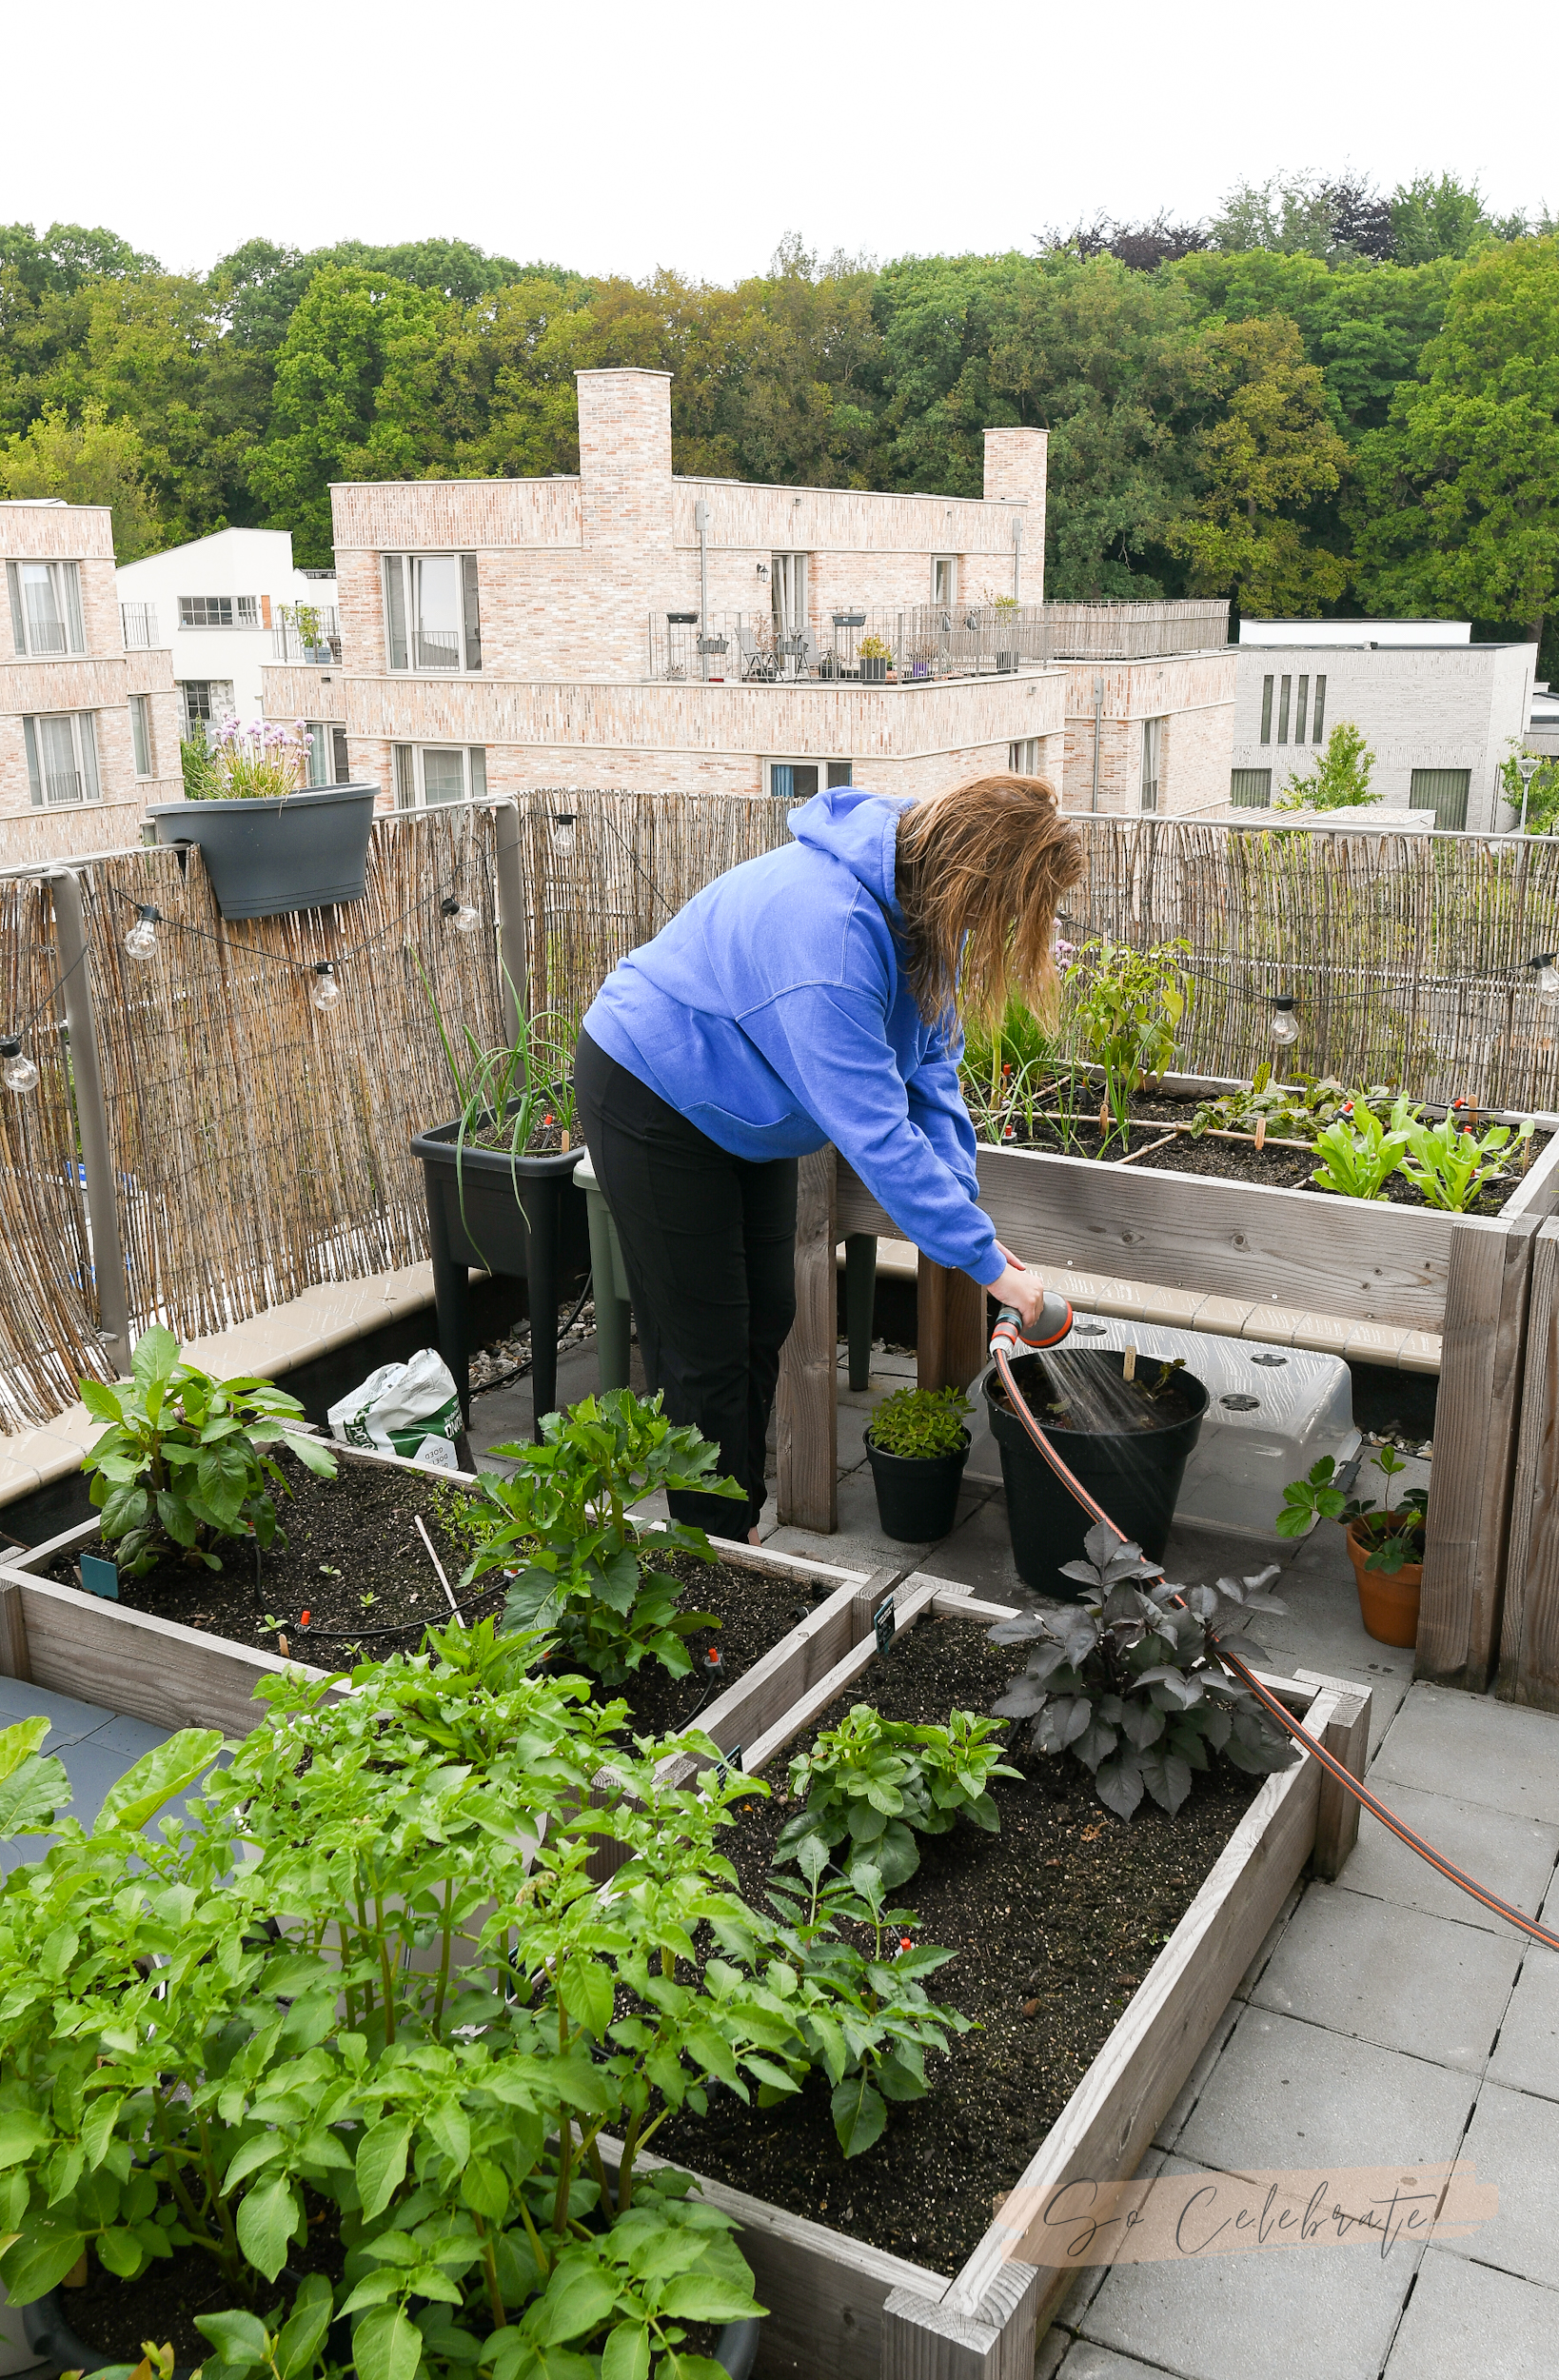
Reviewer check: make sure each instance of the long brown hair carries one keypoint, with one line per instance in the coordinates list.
(980, 872)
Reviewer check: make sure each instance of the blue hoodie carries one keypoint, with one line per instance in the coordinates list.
(774, 1014)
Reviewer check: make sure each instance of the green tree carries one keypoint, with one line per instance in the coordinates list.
(1268, 451)
(1340, 779)
(1458, 499)
(1435, 215)
(359, 381)
(91, 462)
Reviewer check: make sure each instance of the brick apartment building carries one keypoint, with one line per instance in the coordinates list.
(626, 627)
(88, 731)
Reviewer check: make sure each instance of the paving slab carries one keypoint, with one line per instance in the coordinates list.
(92, 1769)
(1084, 2361)
(1515, 1858)
(1290, 2313)
(133, 1737)
(1463, 2317)
(1270, 1942)
(1476, 1749)
(69, 1721)
(1399, 1977)
(1527, 2054)
(1289, 2093)
(1511, 2142)
(1196, 2081)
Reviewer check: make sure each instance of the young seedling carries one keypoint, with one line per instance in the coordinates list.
(1452, 1163)
(1393, 1532)
(1360, 1153)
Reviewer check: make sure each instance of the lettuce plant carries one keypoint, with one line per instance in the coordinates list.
(186, 1459)
(874, 1784)
(1450, 1162)
(1359, 1154)
(368, 1980)
(1129, 1680)
(563, 1524)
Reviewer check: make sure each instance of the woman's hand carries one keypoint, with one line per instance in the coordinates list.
(1020, 1288)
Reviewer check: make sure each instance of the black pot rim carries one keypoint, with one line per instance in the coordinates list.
(990, 1380)
(438, 1146)
(916, 1462)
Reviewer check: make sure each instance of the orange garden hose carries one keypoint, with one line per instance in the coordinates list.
(1006, 1337)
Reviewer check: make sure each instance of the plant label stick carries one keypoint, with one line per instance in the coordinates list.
(884, 1620)
(1129, 1367)
(439, 1567)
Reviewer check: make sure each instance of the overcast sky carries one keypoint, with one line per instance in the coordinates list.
(615, 138)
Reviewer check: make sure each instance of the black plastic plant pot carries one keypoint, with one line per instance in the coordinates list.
(874, 672)
(1135, 1474)
(519, 1216)
(917, 1495)
(267, 859)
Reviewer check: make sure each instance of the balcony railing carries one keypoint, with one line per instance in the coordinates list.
(306, 632)
(913, 645)
(139, 621)
(1134, 631)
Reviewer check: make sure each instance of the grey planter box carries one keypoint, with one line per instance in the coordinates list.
(266, 859)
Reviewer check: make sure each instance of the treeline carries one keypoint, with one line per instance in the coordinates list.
(1322, 400)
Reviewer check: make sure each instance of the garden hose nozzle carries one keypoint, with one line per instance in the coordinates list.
(1049, 1326)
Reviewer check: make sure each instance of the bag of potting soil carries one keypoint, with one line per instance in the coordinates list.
(410, 1409)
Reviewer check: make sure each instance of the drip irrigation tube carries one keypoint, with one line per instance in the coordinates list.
(1002, 1346)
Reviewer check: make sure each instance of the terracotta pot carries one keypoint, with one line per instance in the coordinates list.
(1388, 1604)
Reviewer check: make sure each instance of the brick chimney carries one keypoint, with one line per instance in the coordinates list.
(1014, 472)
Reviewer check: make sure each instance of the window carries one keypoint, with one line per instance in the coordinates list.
(840, 773)
(343, 765)
(1251, 788)
(1301, 699)
(787, 589)
(219, 611)
(139, 621)
(944, 578)
(140, 711)
(432, 617)
(328, 762)
(1266, 710)
(1152, 759)
(1317, 717)
(62, 757)
(798, 780)
(1023, 757)
(430, 776)
(46, 607)
(1442, 790)
(206, 700)
(1283, 710)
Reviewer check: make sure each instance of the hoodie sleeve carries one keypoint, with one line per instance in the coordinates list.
(826, 1043)
(936, 1103)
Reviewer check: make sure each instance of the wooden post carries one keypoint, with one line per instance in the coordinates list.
(13, 1653)
(92, 1121)
(1528, 1663)
(1476, 1426)
(924, 2338)
(1346, 1736)
(867, 1599)
(511, 913)
(950, 1326)
(805, 1406)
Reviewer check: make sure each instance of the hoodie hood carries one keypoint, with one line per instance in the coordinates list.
(859, 830)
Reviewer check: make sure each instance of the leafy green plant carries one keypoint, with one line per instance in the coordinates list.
(863, 2014)
(1339, 780)
(1129, 1680)
(874, 1784)
(1541, 798)
(1359, 1154)
(1450, 1162)
(873, 648)
(197, 766)
(184, 1459)
(563, 1522)
(1003, 1065)
(921, 1422)
(1128, 1007)
(370, 1965)
(1393, 1532)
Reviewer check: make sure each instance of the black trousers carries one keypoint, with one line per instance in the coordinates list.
(709, 1247)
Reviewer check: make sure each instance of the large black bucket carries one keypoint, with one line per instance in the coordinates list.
(1136, 1476)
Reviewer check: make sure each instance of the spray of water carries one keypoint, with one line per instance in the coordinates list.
(1082, 1389)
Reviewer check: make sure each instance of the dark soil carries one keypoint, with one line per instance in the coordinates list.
(1056, 1920)
(1275, 1168)
(356, 1536)
(117, 2317)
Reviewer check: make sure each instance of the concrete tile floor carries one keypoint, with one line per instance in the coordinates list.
(1385, 2019)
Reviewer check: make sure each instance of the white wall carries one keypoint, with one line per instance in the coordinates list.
(1356, 631)
(231, 561)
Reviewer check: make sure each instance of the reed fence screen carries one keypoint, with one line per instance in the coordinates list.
(261, 1146)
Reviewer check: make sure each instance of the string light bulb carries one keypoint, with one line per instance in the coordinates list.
(325, 991)
(563, 830)
(1285, 1025)
(1543, 967)
(141, 942)
(17, 1071)
(461, 915)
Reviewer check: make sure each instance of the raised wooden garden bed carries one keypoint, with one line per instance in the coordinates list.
(1382, 1282)
(842, 2307)
(174, 1675)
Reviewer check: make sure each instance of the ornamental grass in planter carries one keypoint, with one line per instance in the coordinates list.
(335, 2049)
(917, 1447)
(1386, 1543)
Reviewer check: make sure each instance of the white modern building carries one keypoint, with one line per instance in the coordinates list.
(1440, 713)
(225, 605)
